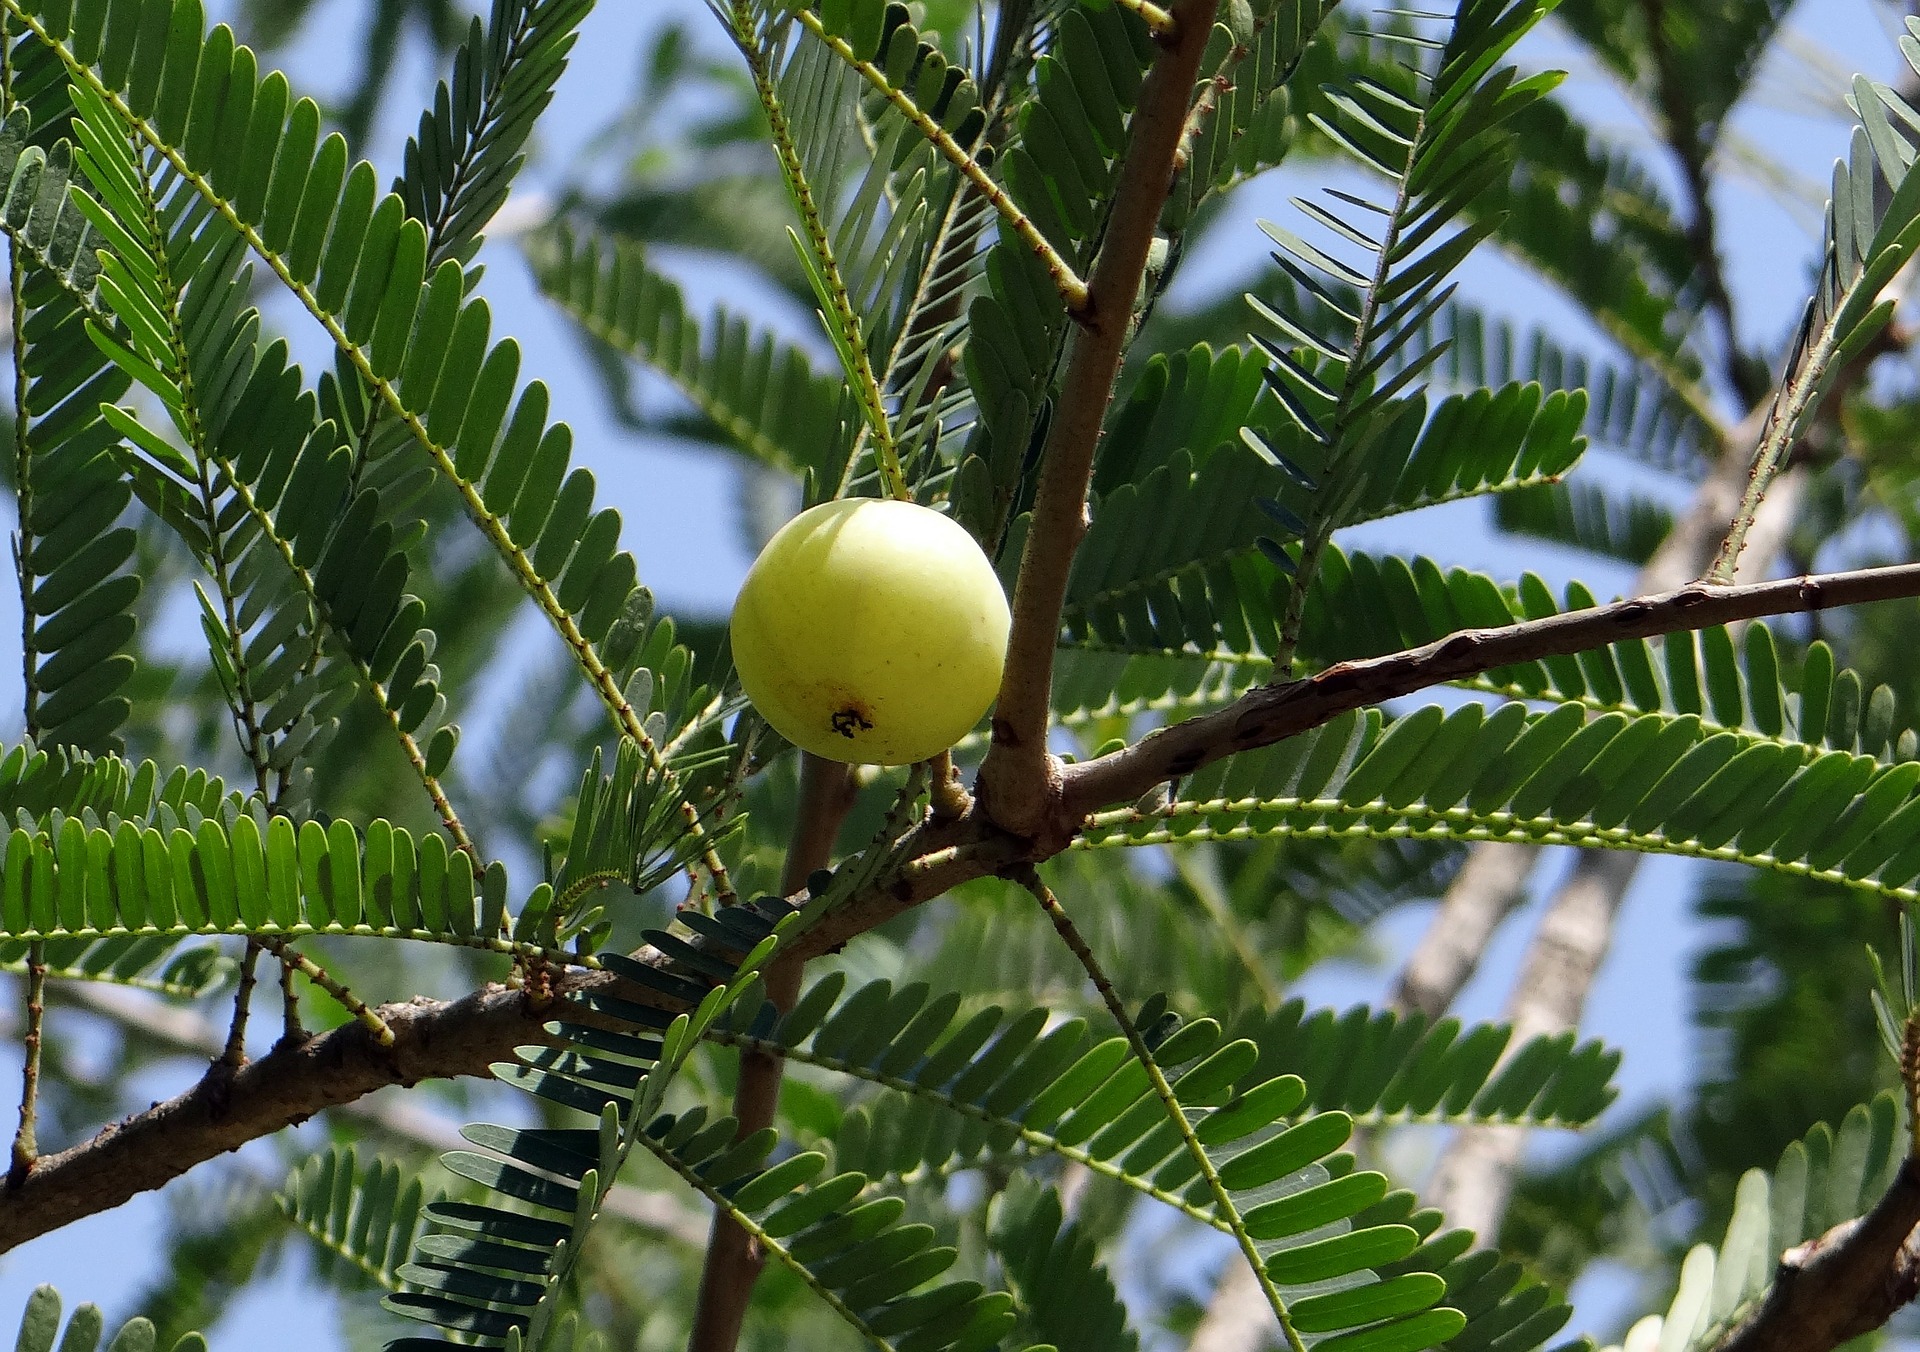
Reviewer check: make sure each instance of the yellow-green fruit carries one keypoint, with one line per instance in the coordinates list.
(871, 631)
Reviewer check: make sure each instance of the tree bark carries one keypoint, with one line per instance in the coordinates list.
(1474, 1178)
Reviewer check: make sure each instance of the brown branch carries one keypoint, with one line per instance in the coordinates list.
(1273, 713)
(179, 1031)
(432, 1039)
(733, 1260)
(1018, 778)
(436, 1040)
(287, 1086)
(1846, 1283)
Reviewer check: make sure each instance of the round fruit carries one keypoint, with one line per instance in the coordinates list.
(871, 631)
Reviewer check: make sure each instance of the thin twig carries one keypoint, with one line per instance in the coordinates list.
(333, 986)
(1273, 713)
(1223, 1200)
(234, 1053)
(1018, 779)
(733, 1261)
(291, 1029)
(26, 1146)
(25, 1142)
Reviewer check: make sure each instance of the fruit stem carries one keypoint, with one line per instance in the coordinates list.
(948, 798)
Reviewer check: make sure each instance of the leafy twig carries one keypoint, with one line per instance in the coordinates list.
(333, 986)
(823, 269)
(1066, 281)
(598, 675)
(1222, 1199)
(1272, 713)
(235, 1050)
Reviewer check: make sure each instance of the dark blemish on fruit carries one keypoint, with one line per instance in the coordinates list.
(850, 720)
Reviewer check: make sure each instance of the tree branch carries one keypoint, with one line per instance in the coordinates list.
(1846, 1283)
(733, 1260)
(1018, 777)
(287, 1086)
(171, 1028)
(1273, 713)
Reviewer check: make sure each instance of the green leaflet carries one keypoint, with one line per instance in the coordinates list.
(854, 1254)
(1363, 605)
(1625, 412)
(360, 265)
(913, 69)
(1297, 1198)
(35, 781)
(461, 162)
(986, 1084)
(626, 830)
(1065, 1296)
(1250, 128)
(105, 849)
(1172, 548)
(40, 1329)
(1086, 85)
(1868, 241)
(363, 1218)
(181, 873)
(1440, 146)
(1568, 193)
(1623, 526)
(154, 964)
(1822, 1180)
(74, 554)
(189, 342)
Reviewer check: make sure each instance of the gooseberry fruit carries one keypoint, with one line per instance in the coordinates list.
(871, 631)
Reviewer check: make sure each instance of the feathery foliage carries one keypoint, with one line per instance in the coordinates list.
(935, 1138)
